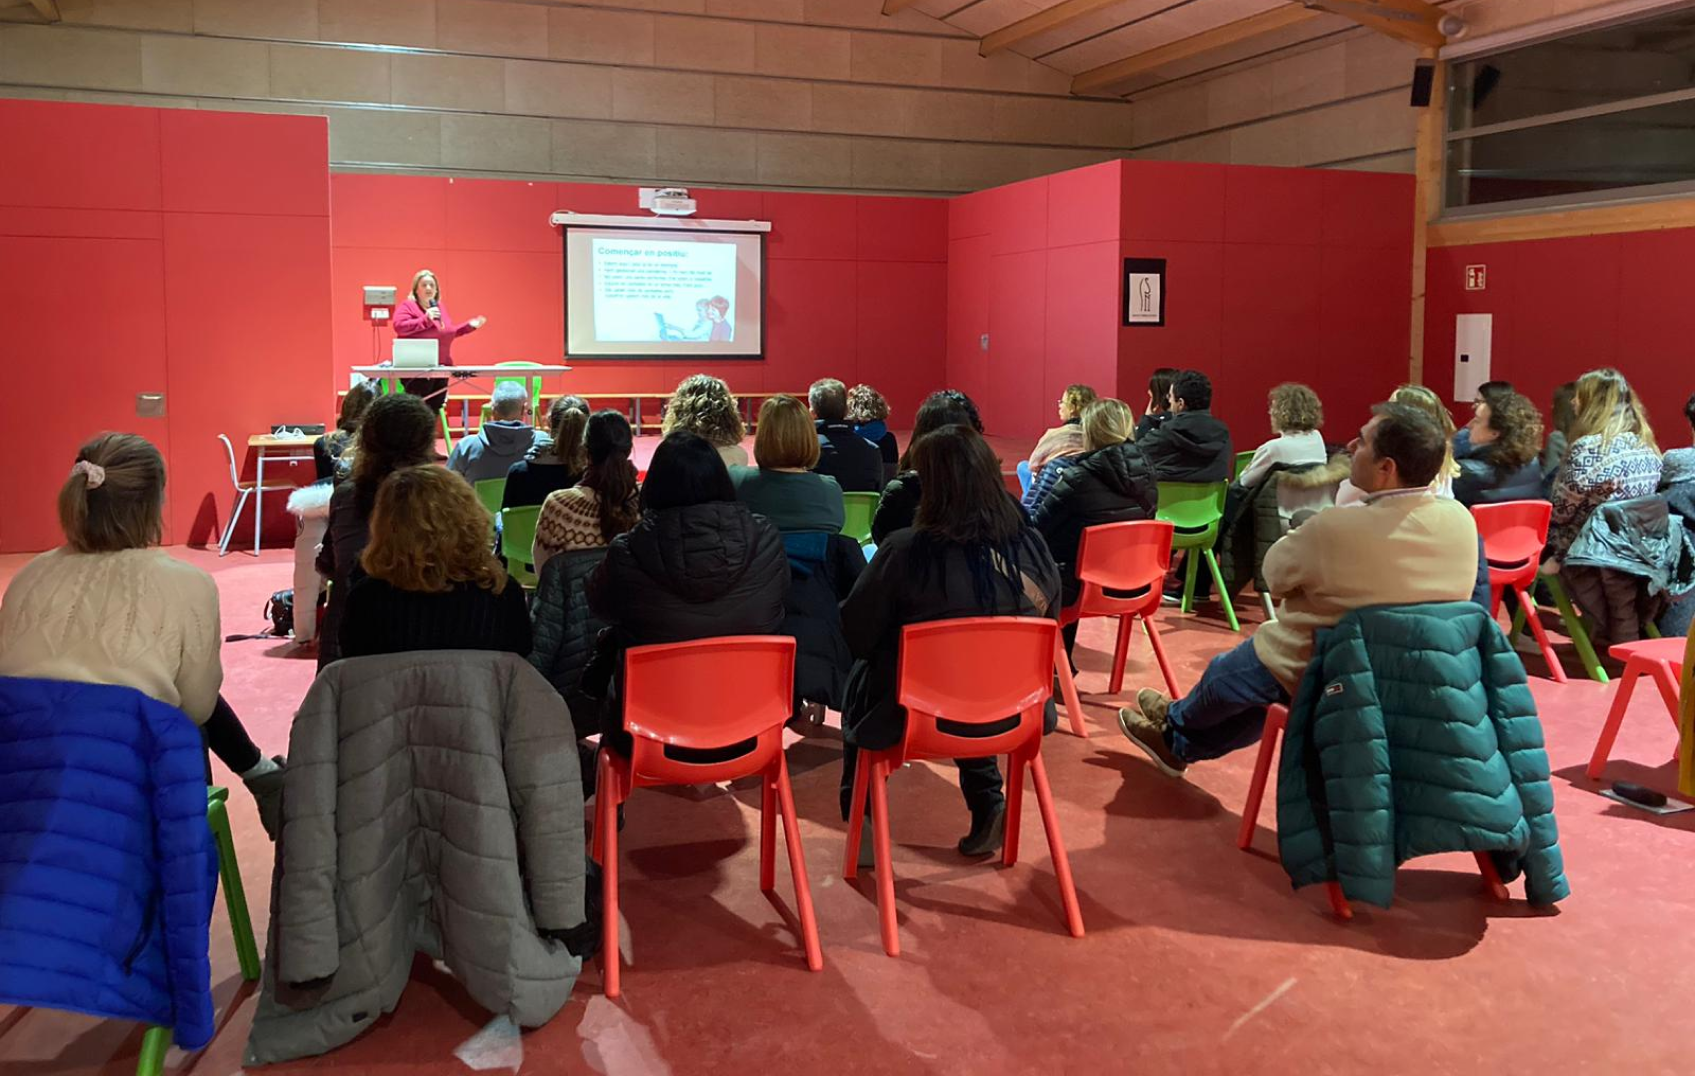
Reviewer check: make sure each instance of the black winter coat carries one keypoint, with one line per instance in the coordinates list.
(914, 579)
(338, 561)
(899, 507)
(564, 631)
(1110, 485)
(855, 463)
(1484, 481)
(822, 571)
(1190, 446)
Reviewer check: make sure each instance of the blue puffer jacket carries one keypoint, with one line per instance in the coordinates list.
(1414, 733)
(107, 866)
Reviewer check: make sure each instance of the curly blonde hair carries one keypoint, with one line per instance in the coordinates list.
(1076, 398)
(429, 531)
(1295, 408)
(866, 404)
(703, 405)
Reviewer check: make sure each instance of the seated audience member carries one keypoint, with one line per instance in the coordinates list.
(1159, 401)
(869, 414)
(430, 581)
(1191, 445)
(1499, 460)
(1066, 439)
(1404, 545)
(1430, 404)
(855, 463)
(1481, 401)
(1111, 482)
(971, 553)
(899, 505)
(110, 607)
(602, 505)
(559, 465)
(703, 405)
(1613, 457)
(1559, 437)
(398, 431)
(505, 439)
(696, 565)
(332, 454)
(1296, 414)
(783, 488)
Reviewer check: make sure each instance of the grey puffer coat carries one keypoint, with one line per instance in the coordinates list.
(1630, 560)
(564, 631)
(432, 804)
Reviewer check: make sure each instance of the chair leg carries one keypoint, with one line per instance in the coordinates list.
(1152, 629)
(1575, 627)
(879, 779)
(1492, 884)
(1191, 566)
(1615, 718)
(602, 782)
(1265, 603)
(1536, 629)
(235, 896)
(1268, 741)
(768, 832)
(1067, 687)
(1338, 903)
(1014, 808)
(153, 1047)
(797, 867)
(609, 955)
(1666, 677)
(1056, 847)
(1218, 583)
(856, 817)
(229, 528)
(1121, 654)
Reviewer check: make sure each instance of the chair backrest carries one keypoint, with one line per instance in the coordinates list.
(1242, 461)
(1023, 469)
(857, 511)
(229, 450)
(1191, 506)
(517, 538)
(704, 695)
(1513, 532)
(491, 491)
(974, 671)
(1128, 557)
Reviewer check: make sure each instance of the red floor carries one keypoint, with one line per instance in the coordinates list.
(1198, 958)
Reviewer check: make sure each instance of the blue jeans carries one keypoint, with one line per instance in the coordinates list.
(1226, 710)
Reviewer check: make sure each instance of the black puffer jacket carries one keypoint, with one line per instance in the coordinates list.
(899, 507)
(1190, 446)
(1484, 480)
(1110, 485)
(822, 571)
(564, 631)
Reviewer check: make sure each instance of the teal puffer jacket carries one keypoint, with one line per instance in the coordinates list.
(1414, 733)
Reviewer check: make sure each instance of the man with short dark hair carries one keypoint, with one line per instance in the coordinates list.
(855, 463)
(1403, 546)
(1192, 445)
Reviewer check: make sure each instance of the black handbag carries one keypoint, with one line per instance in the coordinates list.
(279, 610)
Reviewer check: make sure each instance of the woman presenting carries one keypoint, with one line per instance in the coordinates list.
(422, 316)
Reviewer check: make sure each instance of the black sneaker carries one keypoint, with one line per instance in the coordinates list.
(987, 830)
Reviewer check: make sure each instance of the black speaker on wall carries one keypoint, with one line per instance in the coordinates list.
(1424, 80)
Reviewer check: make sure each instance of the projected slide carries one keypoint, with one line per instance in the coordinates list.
(648, 293)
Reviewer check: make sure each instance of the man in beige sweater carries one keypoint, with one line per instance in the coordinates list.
(1403, 546)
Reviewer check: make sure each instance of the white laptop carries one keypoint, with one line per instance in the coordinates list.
(416, 354)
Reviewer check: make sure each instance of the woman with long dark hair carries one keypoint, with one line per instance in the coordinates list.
(899, 506)
(603, 503)
(969, 553)
(1159, 401)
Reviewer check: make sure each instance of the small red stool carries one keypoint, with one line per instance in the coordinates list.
(1661, 659)
(1276, 720)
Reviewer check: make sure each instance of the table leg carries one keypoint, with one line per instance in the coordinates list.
(259, 502)
(636, 408)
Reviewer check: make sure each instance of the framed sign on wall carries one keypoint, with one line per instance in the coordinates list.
(1144, 291)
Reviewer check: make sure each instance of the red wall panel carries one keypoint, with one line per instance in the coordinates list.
(812, 226)
(901, 230)
(78, 156)
(1273, 205)
(240, 162)
(1172, 200)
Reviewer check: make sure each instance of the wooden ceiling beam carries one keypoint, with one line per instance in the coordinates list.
(895, 7)
(1265, 22)
(1416, 22)
(47, 9)
(1042, 22)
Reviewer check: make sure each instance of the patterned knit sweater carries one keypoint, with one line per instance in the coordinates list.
(1591, 476)
(569, 521)
(136, 618)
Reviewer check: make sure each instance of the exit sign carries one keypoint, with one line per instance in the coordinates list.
(1476, 277)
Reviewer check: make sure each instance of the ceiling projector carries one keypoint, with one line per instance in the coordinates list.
(672, 202)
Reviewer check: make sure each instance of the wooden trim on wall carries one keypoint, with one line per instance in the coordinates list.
(1565, 223)
(1427, 205)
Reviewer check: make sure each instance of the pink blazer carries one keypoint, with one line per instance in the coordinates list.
(413, 322)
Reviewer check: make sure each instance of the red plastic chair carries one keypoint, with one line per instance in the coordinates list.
(705, 695)
(1276, 720)
(1124, 557)
(973, 671)
(1514, 533)
(1661, 660)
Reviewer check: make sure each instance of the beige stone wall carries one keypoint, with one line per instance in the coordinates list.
(818, 94)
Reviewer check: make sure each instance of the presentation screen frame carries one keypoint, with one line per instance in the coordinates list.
(681, 226)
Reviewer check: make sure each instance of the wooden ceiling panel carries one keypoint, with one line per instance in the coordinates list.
(1094, 24)
(987, 16)
(1173, 25)
(1252, 48)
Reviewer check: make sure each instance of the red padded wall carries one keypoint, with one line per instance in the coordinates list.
(1563, 306)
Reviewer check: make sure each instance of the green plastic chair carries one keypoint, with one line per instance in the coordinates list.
(1196, 509)
(1242, 461)
(1574, 627)
(533, 383)
(857, 511)
(517, 538)
(158, 1039)
(446, 434)
(491, 491)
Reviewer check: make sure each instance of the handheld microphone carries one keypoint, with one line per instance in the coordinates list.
(434, 304)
